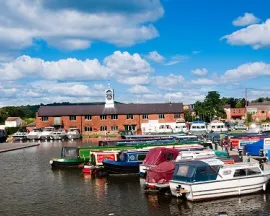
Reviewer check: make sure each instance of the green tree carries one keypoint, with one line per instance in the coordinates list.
(239, 104)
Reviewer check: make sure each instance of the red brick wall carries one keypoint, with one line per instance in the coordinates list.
(96, 122)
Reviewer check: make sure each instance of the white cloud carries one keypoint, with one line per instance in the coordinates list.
(136, 80)
(155, 56)
(200, 72)
(118, 64)
(70, 27)
(123, 63)
(176, 59)
(256, 35)
(138, 89)
(167, 81)
(64, 69)
(177, 96)
(247, 71)
(245, 20)
(203, 81)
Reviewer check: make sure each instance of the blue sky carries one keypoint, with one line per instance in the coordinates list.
(148, 50)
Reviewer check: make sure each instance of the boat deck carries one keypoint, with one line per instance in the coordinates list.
(5, 147)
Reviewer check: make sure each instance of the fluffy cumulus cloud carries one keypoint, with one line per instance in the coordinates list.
(118, 64)
(155, 56)
(74, 24)
(138, 89)
(124, 63)
(245, 20)
(247, 71)
(256, 35)
(200, 72)
(64, 69)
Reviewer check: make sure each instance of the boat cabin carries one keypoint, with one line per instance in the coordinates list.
(265, 127)
(132, 156)
(198, 128)
(217, 126)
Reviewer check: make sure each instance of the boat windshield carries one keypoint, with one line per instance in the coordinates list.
(186, 173)
(71, 153)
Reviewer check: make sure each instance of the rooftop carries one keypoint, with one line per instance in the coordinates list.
(157, 108)
(12, 118)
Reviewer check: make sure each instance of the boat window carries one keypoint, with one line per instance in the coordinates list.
(122, 157)
(141, 157)
(253, 171)
(218, 126)
(239, 172)
(69, 153)
(193, 127)
(203, 127)
(213, 126)
(182, 170)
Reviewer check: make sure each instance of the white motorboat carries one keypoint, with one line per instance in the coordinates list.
(198, 128)
(47, 132)
(211, 178)
(217, 126)
(34, 134)
(59, 135)
(240, 126)
(73, 133)
(19, 135)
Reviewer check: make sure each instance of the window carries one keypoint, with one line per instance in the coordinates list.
(130, 116)
(103, 128)
(263, 111)
(141, 157)
(253, 171)
(239, 173)
(161, 116)
(130, 127)
(114, 117)
(45, 118)
(88, 117)
(145, 116)
(177, 116)
(103, 117)
(87, 128)
(114, 128)
(72, 118)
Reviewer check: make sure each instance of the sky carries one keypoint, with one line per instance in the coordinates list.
(147, 50)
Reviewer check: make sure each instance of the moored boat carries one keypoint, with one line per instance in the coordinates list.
(19, 135)
(46, 133)
(73, 133)
(96, 159)
(59, 135)
(211, 178)
(3, 136)
(198, 128)
(127, 163)
(34, 134)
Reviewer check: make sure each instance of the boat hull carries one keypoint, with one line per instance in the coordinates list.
(156, 188)
(219, 188)
(67, 163)
(17, 138)
(115, 167)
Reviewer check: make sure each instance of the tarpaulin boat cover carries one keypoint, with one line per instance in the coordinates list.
(157, 155)
(161, 173)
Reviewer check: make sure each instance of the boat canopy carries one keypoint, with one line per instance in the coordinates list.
(161, 173)
(197, 171)
(157, 155)
(253, 149)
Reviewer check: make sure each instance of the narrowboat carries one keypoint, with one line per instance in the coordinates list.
(211, 178)
(96, 159)
(127, 163)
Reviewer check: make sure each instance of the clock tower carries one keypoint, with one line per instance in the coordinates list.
(109, 98)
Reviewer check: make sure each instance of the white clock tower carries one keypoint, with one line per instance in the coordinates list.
(109, 98)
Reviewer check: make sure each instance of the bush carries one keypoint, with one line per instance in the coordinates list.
(12, 130)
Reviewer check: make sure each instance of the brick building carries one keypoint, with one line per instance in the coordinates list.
(109, 117)
(235, 113)
(259, 111)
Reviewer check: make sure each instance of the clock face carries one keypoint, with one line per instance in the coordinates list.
(109, 95)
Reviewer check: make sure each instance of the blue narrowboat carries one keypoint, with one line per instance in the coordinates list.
(128, 162)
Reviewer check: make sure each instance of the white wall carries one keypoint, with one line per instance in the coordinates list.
(16, 123)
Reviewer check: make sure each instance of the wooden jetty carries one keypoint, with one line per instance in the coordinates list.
(5, 147)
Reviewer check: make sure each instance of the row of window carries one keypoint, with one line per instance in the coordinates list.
(113, 117)
(102, 128)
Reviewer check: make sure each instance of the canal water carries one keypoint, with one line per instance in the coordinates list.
(28, 186)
